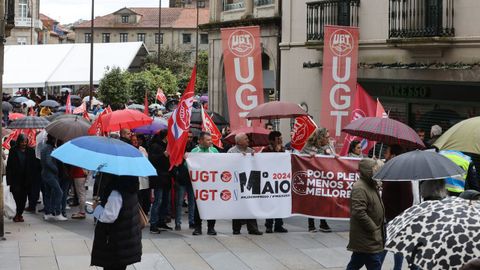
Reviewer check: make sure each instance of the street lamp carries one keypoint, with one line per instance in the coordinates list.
(91, 52)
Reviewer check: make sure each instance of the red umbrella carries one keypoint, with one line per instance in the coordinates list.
(258, 136)
(384, 130)
(15, 116)
(127, 118)
(276, 110)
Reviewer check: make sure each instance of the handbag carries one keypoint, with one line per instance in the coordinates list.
(143, 217)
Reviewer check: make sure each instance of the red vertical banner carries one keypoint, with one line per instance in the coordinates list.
(340, 59)
(242, 57)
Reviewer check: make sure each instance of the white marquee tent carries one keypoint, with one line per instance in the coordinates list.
(66, 64)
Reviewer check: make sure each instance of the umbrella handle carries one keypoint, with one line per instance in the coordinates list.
(411, 262)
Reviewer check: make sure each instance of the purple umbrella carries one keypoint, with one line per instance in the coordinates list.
(154, 127)
(204, 98)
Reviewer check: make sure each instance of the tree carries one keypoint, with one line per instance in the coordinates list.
(202, 73)
(113, 88)
(175, 60)
(148, 81)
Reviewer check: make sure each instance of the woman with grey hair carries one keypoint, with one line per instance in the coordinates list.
(319, 144)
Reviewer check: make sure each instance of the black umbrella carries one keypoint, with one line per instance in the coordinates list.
(66, 129)
(6, 106)
(49, 103)
(417, 166)
(196, 118)
(29, 122)
(75, 97)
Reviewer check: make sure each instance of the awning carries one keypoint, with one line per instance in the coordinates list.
(66, 64)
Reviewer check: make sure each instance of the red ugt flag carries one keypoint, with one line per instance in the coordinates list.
(209, 126)
(161, 96)
(363, 106)
(145, 105)
(302, 130)
(380, 110)
(80, 109)
(68, 105)
(179, 124)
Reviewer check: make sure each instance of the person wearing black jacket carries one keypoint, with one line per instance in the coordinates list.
(158, 156)
(20, 174)
(118, 235)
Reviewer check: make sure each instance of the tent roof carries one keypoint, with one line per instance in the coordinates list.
(66, 64)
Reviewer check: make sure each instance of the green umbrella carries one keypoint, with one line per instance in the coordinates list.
(464, 137)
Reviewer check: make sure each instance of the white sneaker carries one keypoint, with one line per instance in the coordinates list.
(60, 218)
(48, 217)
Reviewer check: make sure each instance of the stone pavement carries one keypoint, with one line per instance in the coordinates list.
(39, 245)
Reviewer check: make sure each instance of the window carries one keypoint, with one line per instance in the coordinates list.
(106, 37)
(23, 5)
(21, 40)
(125, 18)
(156, 38)
(123, 37)
(88, 37)
(203, 38)
(187, 38)
(141, 37)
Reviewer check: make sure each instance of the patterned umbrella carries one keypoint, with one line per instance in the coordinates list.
(276, 110)
(66, 129)
(437, 234)
(29, 122)
(384, 130)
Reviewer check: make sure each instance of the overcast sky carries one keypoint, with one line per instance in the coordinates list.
(68, 11)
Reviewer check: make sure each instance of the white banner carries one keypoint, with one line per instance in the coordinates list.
(234, 186)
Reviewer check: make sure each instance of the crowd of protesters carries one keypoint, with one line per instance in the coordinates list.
(163, 198)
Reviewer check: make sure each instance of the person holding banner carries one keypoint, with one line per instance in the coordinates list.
(367, 219)
(204, 146)
(318, 144)
(241, 147)
(275, 146)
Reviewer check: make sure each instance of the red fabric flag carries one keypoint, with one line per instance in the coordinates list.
(86, 116)
(302, 130)
(363, 106)
(80, 109)
(13, 136)
(96, 128)
(179, 124)
(32, 137)
(209, 126)
(31, 112)
(68, 105)
(145, 104)
(161, 96)
(380, 110)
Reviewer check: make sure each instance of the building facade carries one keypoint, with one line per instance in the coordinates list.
(178, 28)
(27, 23)
(189, 3)
(238, 13)
(53, 32)
(419, 57)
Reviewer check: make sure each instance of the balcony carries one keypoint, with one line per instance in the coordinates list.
(421, 18)
(27, 22)
(330, 12)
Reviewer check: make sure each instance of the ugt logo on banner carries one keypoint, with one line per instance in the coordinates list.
(339, 77)
(243, 72)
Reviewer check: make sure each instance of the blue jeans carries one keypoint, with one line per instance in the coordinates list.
(397, 260)
(157, 202)
(372, 261)
(52, 198)
(65, 186)
(180, 193)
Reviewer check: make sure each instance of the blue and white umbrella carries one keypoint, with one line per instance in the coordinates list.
(104, 154)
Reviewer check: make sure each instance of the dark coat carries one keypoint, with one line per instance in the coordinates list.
(367, 214)
(21, 176)
(119, 243)
(49, 165)
(162, 164)
(397, 196)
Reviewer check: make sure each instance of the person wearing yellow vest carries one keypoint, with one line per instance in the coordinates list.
(457, 185)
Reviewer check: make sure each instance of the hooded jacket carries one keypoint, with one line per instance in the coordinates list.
(367, 214)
